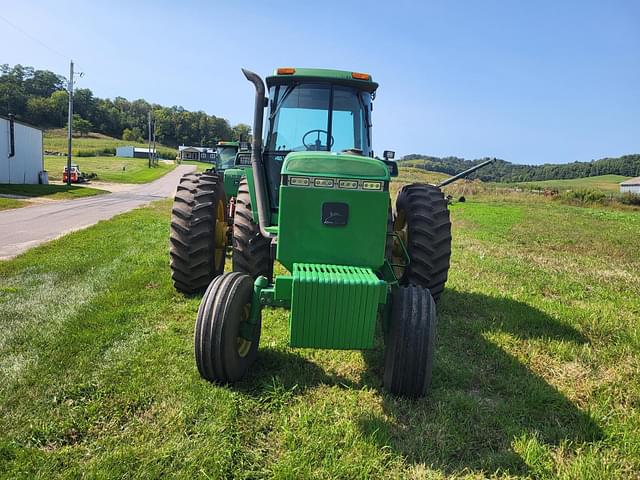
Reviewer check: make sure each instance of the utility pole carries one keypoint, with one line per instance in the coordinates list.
(149, 132)
(155, 152)
(70, 122)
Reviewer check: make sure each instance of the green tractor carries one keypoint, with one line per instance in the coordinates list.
(316, 200)
(232, 159)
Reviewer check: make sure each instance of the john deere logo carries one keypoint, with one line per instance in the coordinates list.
(335, 214)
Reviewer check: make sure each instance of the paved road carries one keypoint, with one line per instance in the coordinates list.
(24, 228)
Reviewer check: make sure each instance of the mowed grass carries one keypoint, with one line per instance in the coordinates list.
(9, 203)
(110, 169)
(604, 183)
(200, 166)
(537, 369)
(53, 192)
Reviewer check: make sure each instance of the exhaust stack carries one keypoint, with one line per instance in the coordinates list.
(256, 153)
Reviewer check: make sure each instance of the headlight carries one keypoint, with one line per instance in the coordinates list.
(371, 185)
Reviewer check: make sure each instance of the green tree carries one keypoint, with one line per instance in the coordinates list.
(81, 125)
(132, 134)
(242, 131)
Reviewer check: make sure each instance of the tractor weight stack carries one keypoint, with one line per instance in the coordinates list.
(198, 238)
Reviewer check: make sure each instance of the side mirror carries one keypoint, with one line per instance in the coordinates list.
(389, 154)
(393, 167)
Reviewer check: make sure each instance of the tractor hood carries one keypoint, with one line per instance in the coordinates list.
(334, 164)
(333, 210)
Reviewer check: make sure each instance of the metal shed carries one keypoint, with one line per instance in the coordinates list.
(133, 152)
(21, 152)
(631, 186)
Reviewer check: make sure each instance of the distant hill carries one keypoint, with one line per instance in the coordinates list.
(503, 171)
(94, 144)
(603, 183)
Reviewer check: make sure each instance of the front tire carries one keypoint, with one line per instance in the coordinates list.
(222, 354)
(198, 238)
(410, 342)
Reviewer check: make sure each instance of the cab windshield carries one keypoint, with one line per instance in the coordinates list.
(226, 157)
(324, 117)
(314, 117)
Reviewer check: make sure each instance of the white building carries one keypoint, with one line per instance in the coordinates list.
(133, 152)
(631, 186)
(21, 152)
(203, 154)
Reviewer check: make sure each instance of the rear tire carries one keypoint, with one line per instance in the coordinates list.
(410, 343)
(422, 218)
(222, 355)
(251, 251)
(198, 231)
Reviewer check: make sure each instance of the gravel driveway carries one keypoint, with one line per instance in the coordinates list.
(24, 228)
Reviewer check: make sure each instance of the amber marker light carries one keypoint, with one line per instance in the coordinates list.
(360, 76)
(286, 71)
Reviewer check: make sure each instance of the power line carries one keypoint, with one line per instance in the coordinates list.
(35, 39)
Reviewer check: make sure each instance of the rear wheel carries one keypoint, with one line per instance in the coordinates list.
(199, 227)
(223, 349)
(251, 251)
(410, 342)
(422, 222)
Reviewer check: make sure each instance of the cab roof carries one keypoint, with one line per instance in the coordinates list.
(284, 75)
(227, 144)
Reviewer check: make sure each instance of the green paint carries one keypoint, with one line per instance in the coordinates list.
(232, 178)
(303, 237)
(334, 164)
(334, 306)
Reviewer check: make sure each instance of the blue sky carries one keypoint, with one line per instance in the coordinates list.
(530, 82)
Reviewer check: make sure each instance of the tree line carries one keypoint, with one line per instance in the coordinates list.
(503, 171)
(39, 97)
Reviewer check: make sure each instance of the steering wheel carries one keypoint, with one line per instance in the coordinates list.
(317, 144)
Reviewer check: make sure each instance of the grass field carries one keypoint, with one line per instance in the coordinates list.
(537, 367)
(9, 203)
(53, 192)
(200, 166)
(56, 141)
(604, 183)
(110, 169)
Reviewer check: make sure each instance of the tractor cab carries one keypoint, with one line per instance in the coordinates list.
(226, 154)
(315, 110)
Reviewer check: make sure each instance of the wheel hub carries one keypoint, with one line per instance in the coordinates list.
(244, 345)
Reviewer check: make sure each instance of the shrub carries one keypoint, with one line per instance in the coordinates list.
(106, 151)
(583, 195)
(630, 199)
(85, 153)
(166, 153)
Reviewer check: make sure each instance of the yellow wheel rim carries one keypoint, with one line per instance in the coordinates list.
(220, 234)
(244, 345)
(397, 253)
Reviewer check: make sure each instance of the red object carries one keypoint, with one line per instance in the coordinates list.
(74, 175)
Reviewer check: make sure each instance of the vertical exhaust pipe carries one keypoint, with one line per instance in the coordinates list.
(256, 153)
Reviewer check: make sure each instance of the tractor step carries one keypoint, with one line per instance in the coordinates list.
(334, 306)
